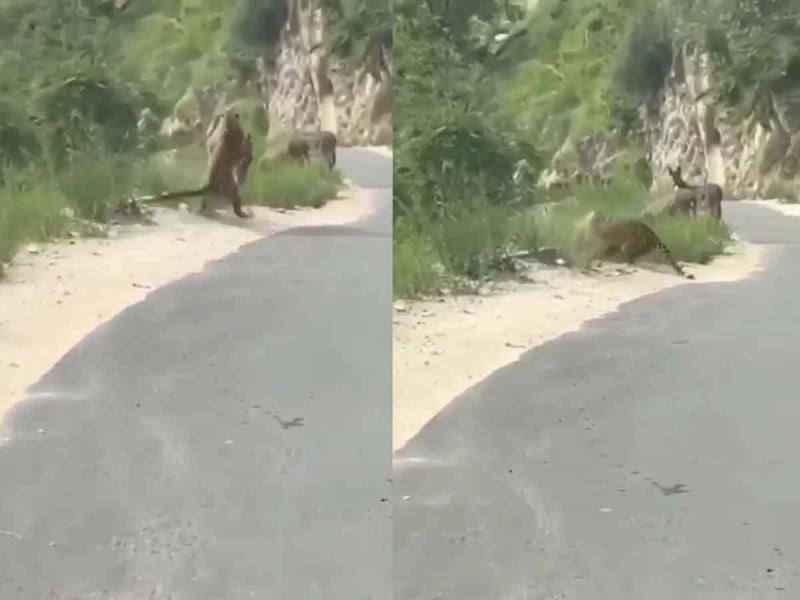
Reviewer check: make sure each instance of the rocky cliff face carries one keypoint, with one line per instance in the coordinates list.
(303, 88)
(683, 126)
(308, 89)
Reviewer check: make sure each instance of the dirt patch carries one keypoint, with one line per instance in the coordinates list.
(442, 348)
(55, 294)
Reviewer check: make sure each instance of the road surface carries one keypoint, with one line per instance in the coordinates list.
(229, 437)
(652, 455)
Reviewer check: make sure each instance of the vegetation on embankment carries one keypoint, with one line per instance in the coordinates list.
(74, 77)
(485, 85)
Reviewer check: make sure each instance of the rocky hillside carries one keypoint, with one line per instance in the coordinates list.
(747, 153)
(309, 86)
(296, 64)
(607, 86)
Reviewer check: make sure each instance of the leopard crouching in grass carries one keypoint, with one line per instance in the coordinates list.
(630, 237)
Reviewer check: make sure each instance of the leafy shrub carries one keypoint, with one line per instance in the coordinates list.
(94, 184)
(472, 242)
(259, 22)
(91, 112)
(31, 209)
(417, 267)
(693, 240)
(287, 185)
(645, 56)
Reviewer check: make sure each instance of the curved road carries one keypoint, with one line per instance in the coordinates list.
(652, 455)
(228, 437)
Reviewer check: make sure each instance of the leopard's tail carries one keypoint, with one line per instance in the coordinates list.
(176, 195)
(668, 255)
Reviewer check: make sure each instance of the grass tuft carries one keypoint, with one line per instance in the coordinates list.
(473, 241)
(418, 271)
(468, 247)
(30, 211)
(693, 240)
(93, 185)
(286, 185)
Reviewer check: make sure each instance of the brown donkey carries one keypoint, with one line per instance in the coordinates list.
(709, 193)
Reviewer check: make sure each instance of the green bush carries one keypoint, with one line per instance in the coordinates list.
(358, 22)
(91, 112)
(259, 22)
(645, 56)
(471, 243)
(417, 267)
(559, 226)
(619, 199)
(286, 185)
(454, 162)
(32, 209)
(93, 185)
(19, 141)
(693, 240)
(524, 231)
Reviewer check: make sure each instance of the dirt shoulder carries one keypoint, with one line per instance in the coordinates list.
(790, 210)
(442, 348)
(382, 150)
(55, 294)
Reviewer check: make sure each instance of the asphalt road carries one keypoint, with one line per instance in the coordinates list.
(652, 455)
(229, 437)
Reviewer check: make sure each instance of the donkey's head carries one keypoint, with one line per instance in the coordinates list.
(677, 177)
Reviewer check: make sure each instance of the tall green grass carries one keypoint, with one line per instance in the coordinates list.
(279, 184)
(693, 240)
(31, 210)
(457, 252)
(93, 185)
(418, 269)
(690, 240)
(38, 204)
(435, 254)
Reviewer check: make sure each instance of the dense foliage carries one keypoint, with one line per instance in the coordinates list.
(453, 151)
(455, 160)
(755, 45)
